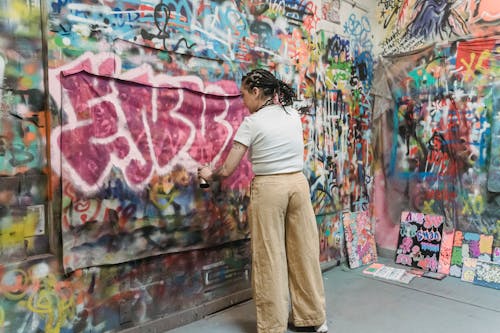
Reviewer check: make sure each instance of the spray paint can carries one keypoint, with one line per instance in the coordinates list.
(203, 183)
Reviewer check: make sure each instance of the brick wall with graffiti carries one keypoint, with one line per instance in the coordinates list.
(108, 107)
(437, 117)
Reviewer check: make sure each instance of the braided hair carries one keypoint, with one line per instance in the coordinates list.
(270, 85)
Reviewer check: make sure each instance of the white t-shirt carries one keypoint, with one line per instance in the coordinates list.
(274, 140)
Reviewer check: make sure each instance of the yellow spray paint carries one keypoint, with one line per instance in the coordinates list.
(2, 319)
(52, 303)
(475, 206)
(17, 290)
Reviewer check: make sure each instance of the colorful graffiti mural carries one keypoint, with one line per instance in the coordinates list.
(337, 121)
(129, 151)
(441, 126)
(168, 35)
(442, 66)
(412, 24)
(23, 133)
(140, 93)
(34, 297)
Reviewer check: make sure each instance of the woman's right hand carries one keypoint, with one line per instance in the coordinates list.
(205, 172)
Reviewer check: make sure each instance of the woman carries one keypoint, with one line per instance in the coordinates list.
(284, 236)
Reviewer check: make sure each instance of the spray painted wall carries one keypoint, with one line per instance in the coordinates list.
(23, 129)
(187, 56)
(139, 93)
(438, 116)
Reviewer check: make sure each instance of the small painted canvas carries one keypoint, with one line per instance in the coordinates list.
(445, 252)
(359, 238)
(496, 255)
(487, 274)
(373, 268)
(469, 245)
(419, 243)
(331, 238)
(468, 269)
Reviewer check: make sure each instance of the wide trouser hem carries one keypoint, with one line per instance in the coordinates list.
(271, 330)
(285, 253)
(309, 322)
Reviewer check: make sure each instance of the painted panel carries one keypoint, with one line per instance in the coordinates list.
(487, 274)
(331, 238)
(469, 245)
(129, 152)
(411, 24)
(419, 243)
(359, 238)
(446, 251)
(469, 269)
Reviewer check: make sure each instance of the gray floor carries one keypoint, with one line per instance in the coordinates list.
(358, 303)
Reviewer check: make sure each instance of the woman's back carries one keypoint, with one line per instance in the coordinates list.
(274, 138)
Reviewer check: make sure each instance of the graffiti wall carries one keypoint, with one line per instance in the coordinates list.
(337, 121)
(129, 151)
(139, 94)
(158, 93)
(36, 298)
(23, 131)
(435, 153)
(409, 25)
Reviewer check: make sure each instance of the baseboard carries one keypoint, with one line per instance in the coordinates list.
(386, 253)
(325, 266)
(185, 317)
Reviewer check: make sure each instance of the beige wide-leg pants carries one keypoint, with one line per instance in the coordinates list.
(285, 253)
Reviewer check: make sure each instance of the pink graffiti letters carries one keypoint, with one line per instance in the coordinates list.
(143, 129)
(433, 221)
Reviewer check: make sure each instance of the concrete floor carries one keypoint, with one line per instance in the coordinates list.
(357, 303)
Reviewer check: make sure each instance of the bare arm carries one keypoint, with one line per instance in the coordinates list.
(227, 168)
